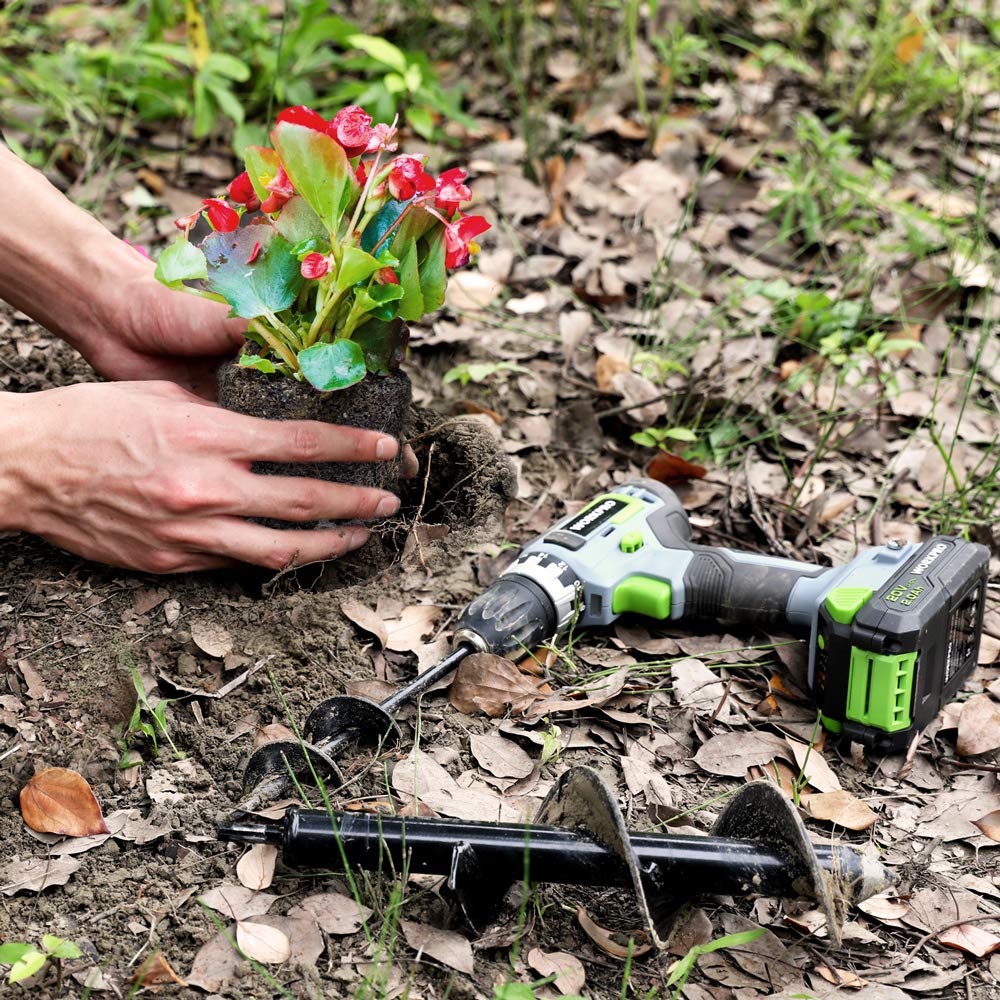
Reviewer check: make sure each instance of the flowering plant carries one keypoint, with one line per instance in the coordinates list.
(326, 245)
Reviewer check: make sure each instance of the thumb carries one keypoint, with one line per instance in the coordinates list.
(187, 325)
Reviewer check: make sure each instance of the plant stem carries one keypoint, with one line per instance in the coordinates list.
(322, 316)
(393, 228)
(275, 344)
(277, 323)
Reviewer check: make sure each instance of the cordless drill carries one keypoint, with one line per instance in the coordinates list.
(892, 634)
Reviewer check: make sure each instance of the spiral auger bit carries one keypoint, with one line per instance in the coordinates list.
(758, 846)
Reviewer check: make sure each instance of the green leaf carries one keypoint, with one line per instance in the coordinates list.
(378, 48)
(383, 343)
(433, 274)
(644, 438)
(262, 165)
(180, 262)
(514, 991)
(421, 120)
(383, 294)
(355, 266)
(256, 361)
(679, 434)
(411, 305)
(58, 947)
(270, 284)
(297, 222)
(333, 365)
(319, 169)
(27, 966)
(14, 951)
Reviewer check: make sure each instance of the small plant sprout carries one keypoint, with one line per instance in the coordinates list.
(26, 960)
(326, 245)
(147, 720)
(683, 967)
(468, 372)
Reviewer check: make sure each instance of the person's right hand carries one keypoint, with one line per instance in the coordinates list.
(147, 476)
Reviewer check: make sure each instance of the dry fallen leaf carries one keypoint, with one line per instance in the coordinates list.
(58, 800)
(255, 869)
(154, 972)
(990, 825)
(971, 939)
(843, 978)
(978, 726)
(884, 907)
(237, 902)
(491, 684)
(333, 911)
(567, 969)
(365, 618)
(213, 640)
(471, 290)
(447, 947)
(263, 943)
(732, 753)
(35, 874)
(671, 469)
(815, 768)
(215, 964)
(406, 634)
(840, 808)
(608, 942)
(271, 733)
(502, 758)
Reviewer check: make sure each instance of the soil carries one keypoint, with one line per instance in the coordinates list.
(378, 403)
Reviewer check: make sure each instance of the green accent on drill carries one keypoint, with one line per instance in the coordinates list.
(643, 595)
(631, 541)
(821, 642)
(880, 689)
(844, 603)
(633, 508)
(832, 724)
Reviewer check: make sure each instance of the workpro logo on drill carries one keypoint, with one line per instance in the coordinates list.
(929, 559)
(596, 516)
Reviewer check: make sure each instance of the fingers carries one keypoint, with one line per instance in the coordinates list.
(258, 440)
(298, 498)
(276, 549)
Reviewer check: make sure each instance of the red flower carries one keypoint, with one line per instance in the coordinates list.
(381, 138)
(451, 192)
(301, 115)
(242, 192)
(281, 190)
(387, 276)
(359, 172)
(459, 237)
(185, 222)
(408, 178)
(254, 254)
(315, 265)
(352, 128)
(222, 217)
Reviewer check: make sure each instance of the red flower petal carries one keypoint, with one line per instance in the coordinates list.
(242, 192)
(408, 177)
(223, 218)
(351, 127)
(301, 115)
(185, 222)
(315, 265)
(387, 276)
(254, 254)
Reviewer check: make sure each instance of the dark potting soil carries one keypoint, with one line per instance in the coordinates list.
(378, 403)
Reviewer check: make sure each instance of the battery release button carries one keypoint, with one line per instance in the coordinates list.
(844, 603)
(632, 541)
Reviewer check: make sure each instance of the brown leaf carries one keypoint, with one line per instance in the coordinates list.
(263, 943)
(971, 939)
(491, 684)
(447, 947)
(366, 619)
(912, 42)
(990, 825)
(333, 911)
(215, 964)
(58, 800)
(154, 972)
(607, 366)
(978, 726)
(610, 943)
(567, 969)
(271, 733)
(35, 874)
(672, 469)
(598, 693)
(732, 753)
(815, 768)
(237, 902)
(502, 758)
(406, 634)
(214, 640)
(841, 977)
(884, 907)
(840, 808)
(255, 869)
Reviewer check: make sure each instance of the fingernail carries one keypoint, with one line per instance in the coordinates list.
(387, 505)
(386, 448)
(357, 537)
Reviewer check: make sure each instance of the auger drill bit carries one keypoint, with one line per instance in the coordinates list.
(758, 846)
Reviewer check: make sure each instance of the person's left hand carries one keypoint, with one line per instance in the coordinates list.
(156, 333)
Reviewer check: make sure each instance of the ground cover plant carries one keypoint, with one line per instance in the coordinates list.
(749, 248)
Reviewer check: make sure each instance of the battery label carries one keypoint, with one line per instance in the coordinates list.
(593, 517)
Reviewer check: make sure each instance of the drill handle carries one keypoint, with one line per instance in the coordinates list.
(723, 583)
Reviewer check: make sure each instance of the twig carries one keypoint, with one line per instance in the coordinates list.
(722, 700)
(420, 507)
(9, 751)
(625, 407)
(967, 765)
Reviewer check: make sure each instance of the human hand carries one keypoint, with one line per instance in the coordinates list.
(148, 476)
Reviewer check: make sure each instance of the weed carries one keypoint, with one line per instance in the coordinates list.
(479, 372)
(683, 967)
(147, 720)
(26, 960)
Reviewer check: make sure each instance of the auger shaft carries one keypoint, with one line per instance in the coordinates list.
(503, 853)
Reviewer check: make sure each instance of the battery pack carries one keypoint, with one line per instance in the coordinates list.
(888, 659)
